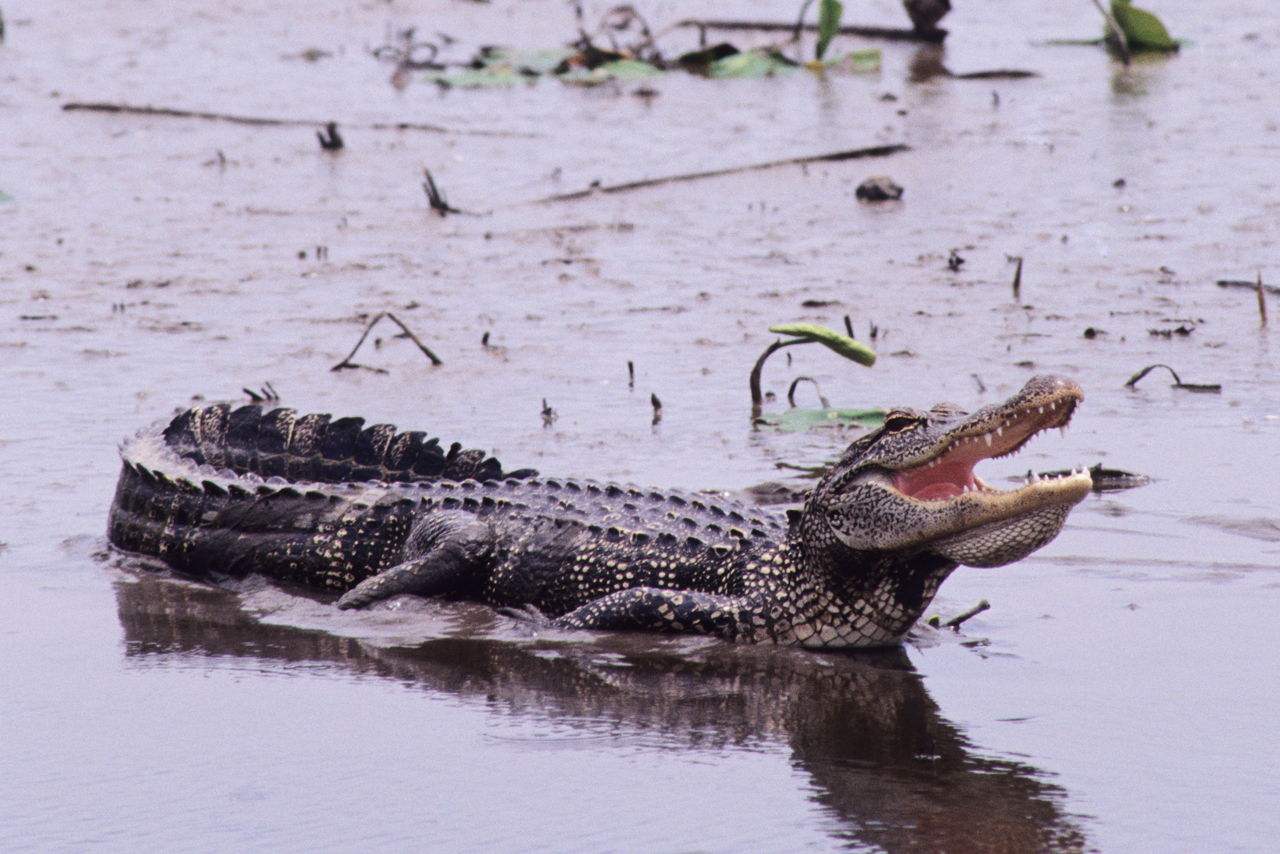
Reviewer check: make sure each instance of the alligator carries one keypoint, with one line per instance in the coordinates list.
(370, 513)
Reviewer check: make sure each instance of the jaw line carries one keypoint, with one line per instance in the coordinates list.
(945, 470)
(942, 518)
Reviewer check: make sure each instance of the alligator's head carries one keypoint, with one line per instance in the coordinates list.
(909, 487)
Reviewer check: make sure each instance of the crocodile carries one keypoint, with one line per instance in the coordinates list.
(370, 513)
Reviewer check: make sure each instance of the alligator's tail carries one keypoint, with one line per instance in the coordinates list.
(298, 497)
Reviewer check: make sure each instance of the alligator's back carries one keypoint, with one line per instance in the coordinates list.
(300, 497)
(329, 502)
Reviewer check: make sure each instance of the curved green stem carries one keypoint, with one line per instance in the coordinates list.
(757, 397)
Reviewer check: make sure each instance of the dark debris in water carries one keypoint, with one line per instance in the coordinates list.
(1212, 388)
(878, 188)
(1105, 479)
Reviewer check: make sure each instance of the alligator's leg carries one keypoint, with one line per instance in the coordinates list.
(658, 609)
(446, 552)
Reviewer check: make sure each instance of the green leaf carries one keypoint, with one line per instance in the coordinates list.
(622, 69)
(842, 344)
(866, 61)
(1141, 28)
(751, 63)
(799, 420)
(494, 77)
(5, 197)
(533, 61)
(829, 12)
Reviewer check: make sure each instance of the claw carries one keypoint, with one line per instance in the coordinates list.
(527, 613)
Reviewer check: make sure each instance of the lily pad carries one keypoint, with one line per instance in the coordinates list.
(495, 77)
(842, 344)
(1142, 29)
(529, 61)
(800, 420)
(622, 69)
(866, 61)
(751, 63)
(498, 67)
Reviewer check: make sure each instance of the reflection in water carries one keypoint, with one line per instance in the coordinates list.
(881, 758)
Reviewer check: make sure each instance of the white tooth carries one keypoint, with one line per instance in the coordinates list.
(1063, 429)
(1053, 405)
(1040, 410)
(1035, 477)
(989, 438)
(999, 431)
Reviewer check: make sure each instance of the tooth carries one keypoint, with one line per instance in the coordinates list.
(999, 431)
(1040, 410)
(1063, 429)
(989, 439)
(1053, 405)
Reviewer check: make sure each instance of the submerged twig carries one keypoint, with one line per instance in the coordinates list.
(959, 619)
(1262, 301)
(1017, 281)
(1251, 285)
(347, 363)
(887, 33)
(263, 395)
(330, 139)
(657, 408)
(1177, 380)
(270, 121)
(835, 156)
(435, 196)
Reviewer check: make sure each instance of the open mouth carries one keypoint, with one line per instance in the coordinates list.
(949, 473)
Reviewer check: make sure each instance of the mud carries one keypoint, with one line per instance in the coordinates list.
(1116, 697)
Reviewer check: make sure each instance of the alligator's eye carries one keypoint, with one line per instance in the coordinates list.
(896, 422)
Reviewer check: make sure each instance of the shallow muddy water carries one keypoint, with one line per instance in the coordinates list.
(1118, 696)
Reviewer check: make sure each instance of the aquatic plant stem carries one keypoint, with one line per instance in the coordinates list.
(757, 397)
(1122, 41)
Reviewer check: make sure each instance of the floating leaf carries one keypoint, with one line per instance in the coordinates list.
(622, 69)
(829, 12)
(752, 63)
(799, 420)
(842, 344)
(530, 61)
(865, 61)
(1141, 28)
(482, 78)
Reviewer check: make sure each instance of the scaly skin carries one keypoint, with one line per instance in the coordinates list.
(374, 513)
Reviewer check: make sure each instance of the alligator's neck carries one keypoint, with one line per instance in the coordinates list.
(884, 591)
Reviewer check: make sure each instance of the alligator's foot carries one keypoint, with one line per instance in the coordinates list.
(451, 546)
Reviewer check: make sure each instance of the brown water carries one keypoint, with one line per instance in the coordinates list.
(1118, 696)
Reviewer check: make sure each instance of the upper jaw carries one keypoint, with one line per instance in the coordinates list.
(944, 470)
